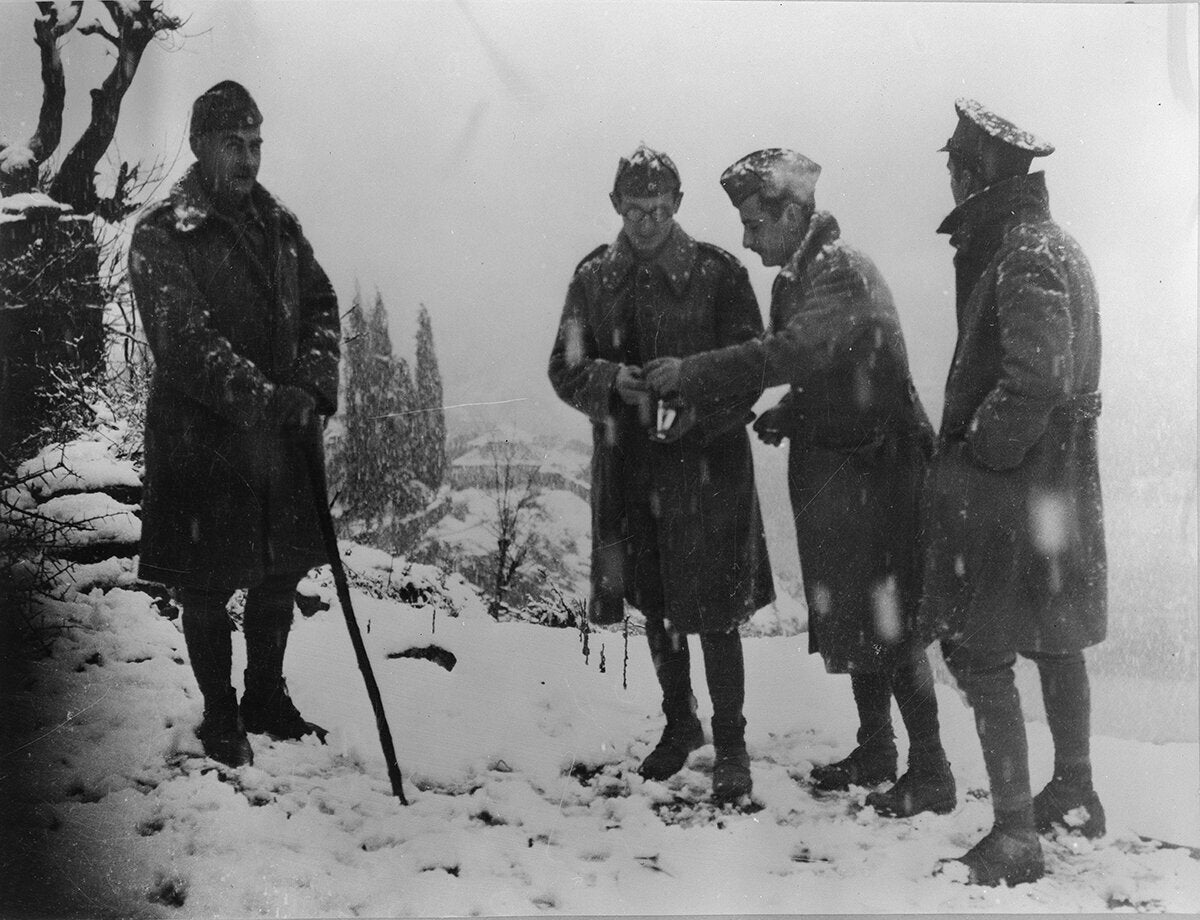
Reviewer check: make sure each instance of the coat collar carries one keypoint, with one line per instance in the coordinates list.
(192, 207)
(192, 204)
(676, 259)
(1017, 199)
(822, 230)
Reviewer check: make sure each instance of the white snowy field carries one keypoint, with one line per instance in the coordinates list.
(518, 766)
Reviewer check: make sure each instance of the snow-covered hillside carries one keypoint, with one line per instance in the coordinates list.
(519, 744)
(518, 764)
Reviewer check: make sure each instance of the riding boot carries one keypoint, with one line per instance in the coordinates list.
(874, 760)
(725, 668)
(683, 732)
(1011, 852)
(267, 707)
(1069, 798)
(206, 632)
(928, 784)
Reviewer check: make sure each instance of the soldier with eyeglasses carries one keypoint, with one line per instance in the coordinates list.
(676, 527)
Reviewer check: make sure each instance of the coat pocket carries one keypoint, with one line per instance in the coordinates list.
(971, 519)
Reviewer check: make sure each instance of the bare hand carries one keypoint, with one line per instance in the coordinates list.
(662, 374)
(630, 386)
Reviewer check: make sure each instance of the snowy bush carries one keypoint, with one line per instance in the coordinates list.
(547, 538)
(68, 522)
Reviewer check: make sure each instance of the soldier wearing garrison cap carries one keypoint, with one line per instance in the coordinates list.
(243, 325)
(859, 440)
(1016, 558)
(676, 527)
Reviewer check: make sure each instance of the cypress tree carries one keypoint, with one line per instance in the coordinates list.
(406, 487)
(430, 427)
(380, 460)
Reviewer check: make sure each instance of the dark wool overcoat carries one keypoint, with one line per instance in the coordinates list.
(859, 441)
(676, 528)
(230, 315)
(1016, 557)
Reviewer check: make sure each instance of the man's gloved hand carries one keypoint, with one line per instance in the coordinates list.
(292, 407)
(630, 385)
(633, 392)
(770, 424)
(662, 374)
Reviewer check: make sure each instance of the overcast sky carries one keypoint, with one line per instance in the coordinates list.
(460, 154)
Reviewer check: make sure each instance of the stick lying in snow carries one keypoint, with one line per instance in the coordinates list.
(1193, 852)
(316, 468)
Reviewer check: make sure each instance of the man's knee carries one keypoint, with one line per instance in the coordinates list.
(270, 603)
(971, 666)
(1054, 659)
(202, 606)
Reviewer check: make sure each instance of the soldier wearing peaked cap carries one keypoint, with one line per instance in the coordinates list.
(243, 325)
(676, 527)
(1016, 561)
(859, 439)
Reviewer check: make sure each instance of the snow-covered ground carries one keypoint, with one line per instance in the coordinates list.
(518, 766)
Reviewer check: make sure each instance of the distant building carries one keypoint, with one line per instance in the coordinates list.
(561, 466)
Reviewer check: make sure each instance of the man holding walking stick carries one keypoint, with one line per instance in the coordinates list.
(243, 326)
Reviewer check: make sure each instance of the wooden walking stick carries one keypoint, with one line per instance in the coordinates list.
(316, 468)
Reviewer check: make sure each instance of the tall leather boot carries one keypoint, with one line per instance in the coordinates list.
(1069, 798)
(266, 705)
(683, 732)
(874, 760)
(725, 669)
(1011, 852)
(206, 632)
(928, 784)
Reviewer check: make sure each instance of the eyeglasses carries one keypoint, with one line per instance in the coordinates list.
(657, 214)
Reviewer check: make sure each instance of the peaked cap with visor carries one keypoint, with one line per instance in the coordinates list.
(979, 127)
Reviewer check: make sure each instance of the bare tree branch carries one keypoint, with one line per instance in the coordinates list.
(96, 27)
(18, 170)
(135, 29)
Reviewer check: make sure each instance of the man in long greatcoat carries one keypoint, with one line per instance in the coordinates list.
(859, 439)
(1016, 556)
(676, 527)
(243, 326)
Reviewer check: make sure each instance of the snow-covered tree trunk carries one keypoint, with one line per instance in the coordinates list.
(52, 328)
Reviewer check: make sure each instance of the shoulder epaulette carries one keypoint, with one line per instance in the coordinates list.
(723, 254)
(599, 250)
(1034, 236)
(153, 212)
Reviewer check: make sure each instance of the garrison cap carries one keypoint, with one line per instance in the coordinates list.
(774, 172)
(646, 173)
(977, 123)
(226, 106)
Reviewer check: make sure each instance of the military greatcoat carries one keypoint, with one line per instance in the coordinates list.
(676, 527)
(1017, 556)
(232, 310)
(859, 439)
